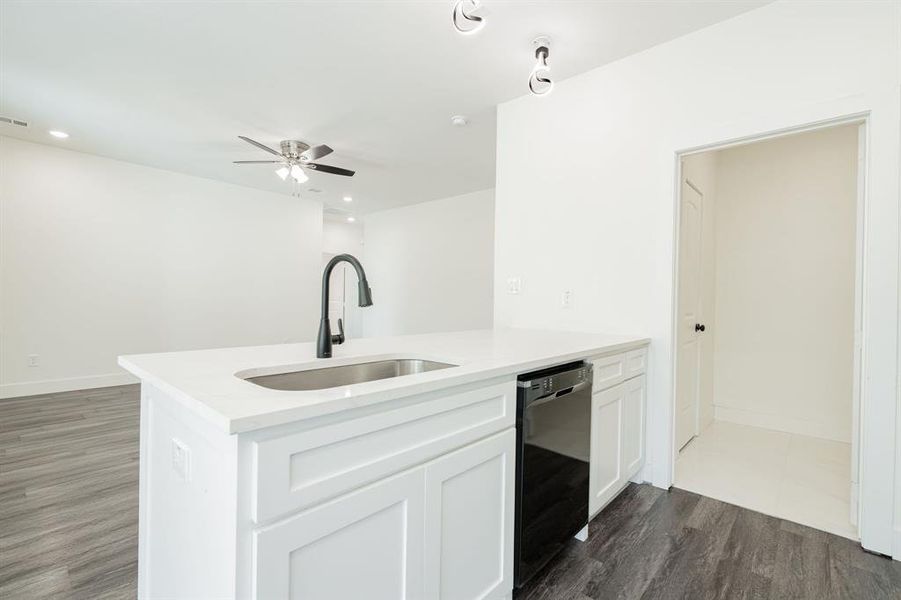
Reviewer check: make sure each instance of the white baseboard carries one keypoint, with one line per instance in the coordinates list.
(896, 545)
(50, 386)
(778, 423)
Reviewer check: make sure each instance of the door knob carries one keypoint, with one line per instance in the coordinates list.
(699, 327)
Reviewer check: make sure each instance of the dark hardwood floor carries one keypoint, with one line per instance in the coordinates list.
(649, 544)
(68, 526)
(69, 495)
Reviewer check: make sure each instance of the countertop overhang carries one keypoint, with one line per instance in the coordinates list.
(207, 382)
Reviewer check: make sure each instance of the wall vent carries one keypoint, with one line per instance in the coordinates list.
(12, 121)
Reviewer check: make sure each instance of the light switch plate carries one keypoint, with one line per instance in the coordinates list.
(514, 285)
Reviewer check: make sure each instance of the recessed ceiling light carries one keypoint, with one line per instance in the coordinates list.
(59, 134)
(348, 199)
(350, 219)
(459, 121)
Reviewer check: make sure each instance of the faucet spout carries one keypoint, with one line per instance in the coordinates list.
(325, 339)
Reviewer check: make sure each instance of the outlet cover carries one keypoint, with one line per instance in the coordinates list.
(181, 459)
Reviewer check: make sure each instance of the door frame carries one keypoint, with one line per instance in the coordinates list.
(858, 382)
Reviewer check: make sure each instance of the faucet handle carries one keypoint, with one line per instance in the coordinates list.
(339, 339)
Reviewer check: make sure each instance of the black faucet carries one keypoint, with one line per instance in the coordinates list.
(325, 339)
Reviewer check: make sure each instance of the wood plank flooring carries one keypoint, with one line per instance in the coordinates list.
(69, 495)
(68, 526)
(652, 544)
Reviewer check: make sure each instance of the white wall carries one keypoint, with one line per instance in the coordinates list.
(786, 228)
(341, 237)
(590, 170)
(701, 170)
(100, 258)
(430, 266)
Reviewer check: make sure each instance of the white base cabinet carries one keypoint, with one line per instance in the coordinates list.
(618, 406)
(439, 531)
(413, 502)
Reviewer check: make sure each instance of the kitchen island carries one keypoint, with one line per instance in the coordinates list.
(394, 487)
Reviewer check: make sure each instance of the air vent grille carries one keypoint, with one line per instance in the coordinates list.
(13, 121)
(335, 211)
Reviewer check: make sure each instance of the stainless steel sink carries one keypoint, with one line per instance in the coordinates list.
(329, 377)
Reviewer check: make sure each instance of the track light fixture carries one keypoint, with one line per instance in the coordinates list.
(540, 82)
(464, 20)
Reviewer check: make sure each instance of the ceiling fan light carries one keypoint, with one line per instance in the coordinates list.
(283, 172)
(298, 174)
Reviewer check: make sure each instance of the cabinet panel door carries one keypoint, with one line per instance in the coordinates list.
(469, 521)
(633, 425)
(606, 443)
(367, 544)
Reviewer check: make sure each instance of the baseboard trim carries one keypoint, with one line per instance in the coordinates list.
(896, 545)
(777, 423)
(51, 386)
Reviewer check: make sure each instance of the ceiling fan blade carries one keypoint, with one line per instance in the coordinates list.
(256, 162)
(329, 169)
(316, 152)
(260, 146)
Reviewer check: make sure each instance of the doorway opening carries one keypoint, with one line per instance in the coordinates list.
(768, 321)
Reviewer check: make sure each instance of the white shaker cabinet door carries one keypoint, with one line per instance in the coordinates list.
(606, 471)
(634, 403)
(469, 521)
(366, 544)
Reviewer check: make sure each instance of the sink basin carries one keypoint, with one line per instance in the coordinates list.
(329, 377)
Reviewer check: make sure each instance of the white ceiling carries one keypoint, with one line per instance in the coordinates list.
(172, 84)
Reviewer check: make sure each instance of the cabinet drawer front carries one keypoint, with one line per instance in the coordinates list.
(304, 468)
(636, 362)
(608, 371)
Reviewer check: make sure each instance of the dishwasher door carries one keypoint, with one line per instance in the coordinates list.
(554, 439)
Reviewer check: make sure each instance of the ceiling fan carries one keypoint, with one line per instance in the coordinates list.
(294, 158)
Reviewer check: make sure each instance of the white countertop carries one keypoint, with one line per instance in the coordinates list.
(205, 381)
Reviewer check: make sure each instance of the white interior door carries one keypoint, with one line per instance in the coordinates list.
(688, 346)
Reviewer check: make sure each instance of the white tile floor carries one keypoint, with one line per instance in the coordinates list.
(794, 477)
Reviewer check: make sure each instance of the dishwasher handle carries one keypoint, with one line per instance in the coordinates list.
(579, 387)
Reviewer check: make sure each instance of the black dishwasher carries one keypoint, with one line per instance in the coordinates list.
(553, 435)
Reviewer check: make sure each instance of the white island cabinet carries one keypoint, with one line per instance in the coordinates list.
(393, 488)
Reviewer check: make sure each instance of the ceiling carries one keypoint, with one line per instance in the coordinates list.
(171, 84)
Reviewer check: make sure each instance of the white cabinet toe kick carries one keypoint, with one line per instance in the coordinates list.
(413, 500)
